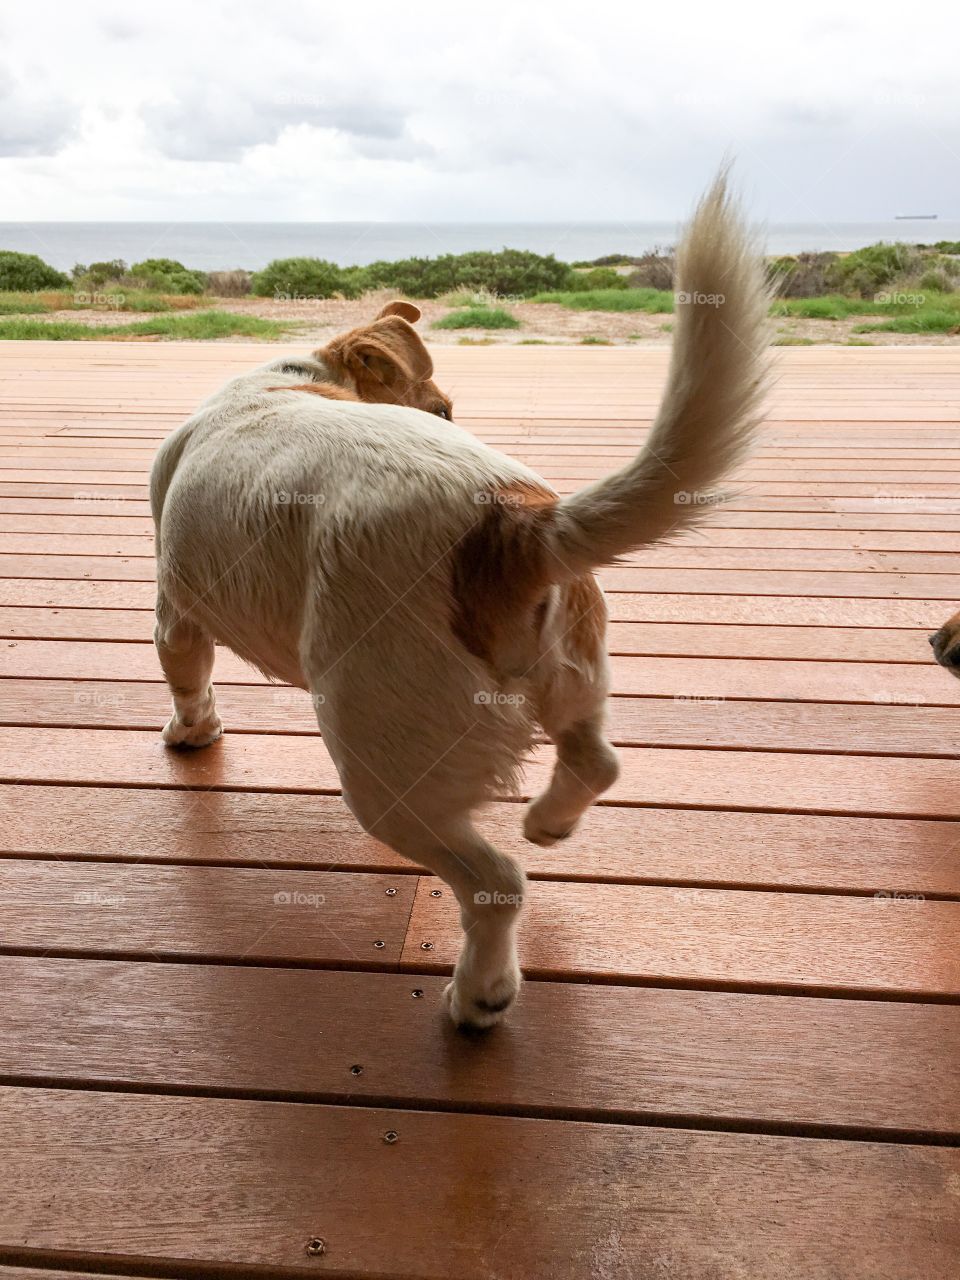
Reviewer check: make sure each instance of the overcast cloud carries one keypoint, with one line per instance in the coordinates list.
(498, 111)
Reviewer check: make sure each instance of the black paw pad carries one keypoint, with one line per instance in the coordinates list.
(486, 1006)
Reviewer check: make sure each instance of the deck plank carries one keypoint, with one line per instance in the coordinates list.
(632, 845)
(623, 1198)
(245, 914)
(737, 1050)
(569, 1051)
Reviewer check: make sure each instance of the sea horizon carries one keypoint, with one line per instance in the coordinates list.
(213, 246)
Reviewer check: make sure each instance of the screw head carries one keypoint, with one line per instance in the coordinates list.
(391, 1136)
(356, 1069)
(417, 993)
(316, 1246)
(436, 893)
(426, 946)
(379, 944)
(391, 893)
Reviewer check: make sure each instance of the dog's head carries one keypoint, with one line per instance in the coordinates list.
(387, 363)
(946, 645)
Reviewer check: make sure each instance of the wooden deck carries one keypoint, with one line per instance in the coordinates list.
(738, 1051)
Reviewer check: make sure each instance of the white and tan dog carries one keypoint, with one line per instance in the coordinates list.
(324, 520)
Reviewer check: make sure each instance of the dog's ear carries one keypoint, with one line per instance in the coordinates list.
(406, 310)
(386, 359)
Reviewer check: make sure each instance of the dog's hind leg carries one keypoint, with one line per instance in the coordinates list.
(186, 655)
(489, 888)
(571, 687)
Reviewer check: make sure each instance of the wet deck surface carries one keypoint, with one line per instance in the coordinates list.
(738, 1051)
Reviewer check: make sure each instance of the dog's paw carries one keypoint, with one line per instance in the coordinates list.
(539, 829)
(200, 734)
(475, 1011)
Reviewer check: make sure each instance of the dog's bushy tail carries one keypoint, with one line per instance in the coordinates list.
(709, 411)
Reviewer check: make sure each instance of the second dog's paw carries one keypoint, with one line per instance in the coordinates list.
(201, 734)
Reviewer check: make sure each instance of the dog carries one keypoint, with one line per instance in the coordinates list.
(946, 645)
(326, 520)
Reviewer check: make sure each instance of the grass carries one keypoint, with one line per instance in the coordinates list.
(477, 318)
(21, 304)
(109, 298)
(653, 301)
(200, 325)
(790, 340)
(925, 320)
(836, 307)
(591, 340)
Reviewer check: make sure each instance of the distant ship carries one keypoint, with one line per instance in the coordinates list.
(915, 217)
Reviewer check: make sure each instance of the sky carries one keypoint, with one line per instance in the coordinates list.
(490, 111)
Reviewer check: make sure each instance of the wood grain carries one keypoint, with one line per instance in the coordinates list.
(655, 845)
(569, 1050)
(893, 729)
(238, 914)
(192, 1189)
(888, 945)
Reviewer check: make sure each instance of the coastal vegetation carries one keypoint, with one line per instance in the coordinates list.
(894, 288)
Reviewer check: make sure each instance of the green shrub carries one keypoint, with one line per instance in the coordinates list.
(99, 273)
(655, 270)
(511, 273)
(168, 276)
(805, 275)
(27, 273)
(597, 278)
(477, 318)
(229, 284)
(610, 260)
(948, 246)
(935, 281)
(297, 279)
(867, 270)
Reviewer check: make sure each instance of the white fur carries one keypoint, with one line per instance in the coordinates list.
(315, 538)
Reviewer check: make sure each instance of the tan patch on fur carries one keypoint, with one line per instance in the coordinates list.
(329, 390)
(500, 576)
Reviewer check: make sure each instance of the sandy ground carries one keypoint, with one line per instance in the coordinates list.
(318, 320)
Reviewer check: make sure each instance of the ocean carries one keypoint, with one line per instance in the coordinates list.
(212, 246)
